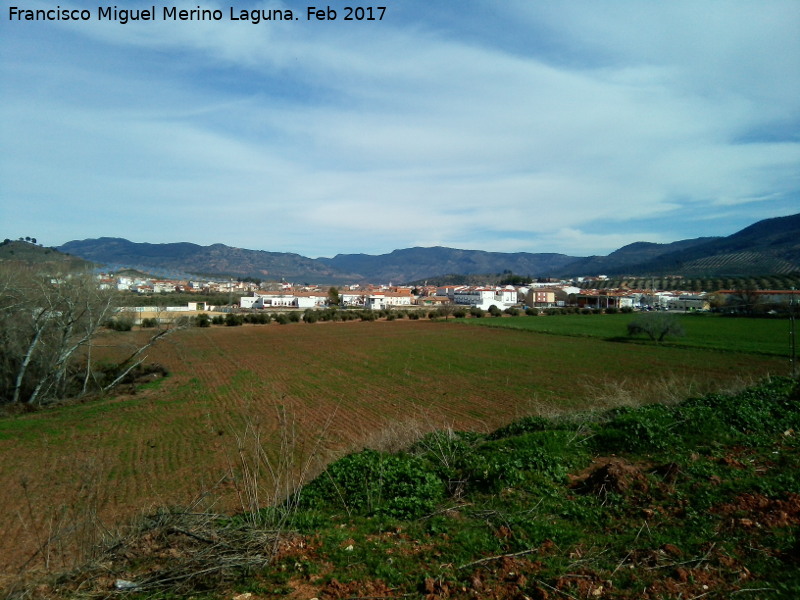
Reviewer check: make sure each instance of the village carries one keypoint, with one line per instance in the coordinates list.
(250, 296)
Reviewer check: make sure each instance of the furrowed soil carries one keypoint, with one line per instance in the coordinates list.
(72, 474)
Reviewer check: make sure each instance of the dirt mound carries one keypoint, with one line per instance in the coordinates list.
(336, 590)
(615, 476)
(756, 511)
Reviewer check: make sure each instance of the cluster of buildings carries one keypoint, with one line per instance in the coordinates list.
(145, 285)
(536, 295)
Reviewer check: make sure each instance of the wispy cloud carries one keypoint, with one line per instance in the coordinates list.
(568, 127)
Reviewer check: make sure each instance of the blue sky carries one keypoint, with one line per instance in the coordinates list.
(514, 126)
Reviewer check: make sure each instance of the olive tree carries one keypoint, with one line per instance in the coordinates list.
(656, 326)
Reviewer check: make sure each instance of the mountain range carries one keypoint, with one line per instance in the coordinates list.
(771, 246)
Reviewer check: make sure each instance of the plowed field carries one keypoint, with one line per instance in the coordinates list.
(69, 474)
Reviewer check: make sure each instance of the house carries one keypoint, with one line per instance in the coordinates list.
(433, 300)
(284, 299)
(689, 302)
(352, 298)
(541, 298)
(485, 297)
(603, 300)
(383, 300)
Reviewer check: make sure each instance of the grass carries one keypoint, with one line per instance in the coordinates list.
(164, 446)
(711, 332)
(698, 499)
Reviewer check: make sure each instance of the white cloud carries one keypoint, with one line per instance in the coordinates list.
(325, 138)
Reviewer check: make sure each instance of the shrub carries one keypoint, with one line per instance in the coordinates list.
(476, 312)
(524, 425)
(233, 320)
(771, 407)
(494, 311)
(282, 318)
(513, 311)
(259, 318)
(459, 313)
(149, 323)
(294, 317)
(218, 320)
(202, 320)
(310, 316)
(371, 482)
(532, 312)
(449, 453)
(120, 323)
(641, 429)
(626, 310)
(612, 310)
(513, 461)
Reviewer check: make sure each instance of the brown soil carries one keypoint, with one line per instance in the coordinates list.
(754, 511)
(71, 476)
(609, 475)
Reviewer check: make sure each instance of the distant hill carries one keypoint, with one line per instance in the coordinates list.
(184, 259)
(771, 246)
(28, 253)
(420, 263)
(630, 257)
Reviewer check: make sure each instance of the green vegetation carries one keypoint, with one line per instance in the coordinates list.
(697, 499)
(700, 284)
(713, 332)
(25, 251)
(161, 447)
(656, 326)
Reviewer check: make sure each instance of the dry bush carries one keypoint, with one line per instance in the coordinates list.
(269, 473)
(177, 550)
(667, 389)
(170, 551)
(396, 435)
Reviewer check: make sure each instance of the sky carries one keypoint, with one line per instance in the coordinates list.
(515, 126)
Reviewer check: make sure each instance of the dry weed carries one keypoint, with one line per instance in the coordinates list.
(667, 389)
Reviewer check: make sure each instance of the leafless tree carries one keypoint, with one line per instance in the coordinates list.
(748, 301)
(47, 327)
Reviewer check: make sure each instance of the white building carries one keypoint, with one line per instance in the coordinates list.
(689, 302)
(484, 298)
(284, 300)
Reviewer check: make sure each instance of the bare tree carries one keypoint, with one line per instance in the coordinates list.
(47, 328)
(747, 301)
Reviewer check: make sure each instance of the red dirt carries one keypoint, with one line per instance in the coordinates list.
(70, 475)
(608, 475)
(757, 511)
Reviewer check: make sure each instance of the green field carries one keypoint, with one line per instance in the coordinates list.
(358, 384)
(758, 336)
